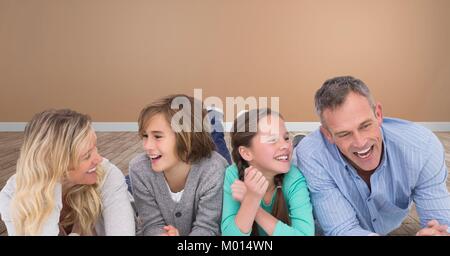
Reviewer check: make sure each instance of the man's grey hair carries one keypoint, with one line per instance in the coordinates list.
(334, 91)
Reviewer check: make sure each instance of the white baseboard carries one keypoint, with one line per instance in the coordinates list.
(115, 126)
(98, 126)
(436, 126)
(12, 126)
(133, 126)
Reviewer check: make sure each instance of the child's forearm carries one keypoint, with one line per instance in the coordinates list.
(247, 213)
(266, 221)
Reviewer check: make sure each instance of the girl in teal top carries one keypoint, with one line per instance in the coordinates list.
(263, 193)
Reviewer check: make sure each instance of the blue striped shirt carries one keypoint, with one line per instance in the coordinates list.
(412, 169)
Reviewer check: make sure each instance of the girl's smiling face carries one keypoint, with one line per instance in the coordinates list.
(271, 149)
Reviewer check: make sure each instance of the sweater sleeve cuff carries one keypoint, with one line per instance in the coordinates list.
(235, 231)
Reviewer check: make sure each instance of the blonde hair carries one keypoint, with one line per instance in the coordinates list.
(51, 147)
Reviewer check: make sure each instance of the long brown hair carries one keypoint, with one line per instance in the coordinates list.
(242, 134)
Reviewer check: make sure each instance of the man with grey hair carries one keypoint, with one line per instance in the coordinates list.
(364, 171)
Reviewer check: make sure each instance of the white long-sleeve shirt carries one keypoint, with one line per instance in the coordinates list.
(117, 215)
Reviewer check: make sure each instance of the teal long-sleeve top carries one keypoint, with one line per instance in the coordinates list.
(297, 199)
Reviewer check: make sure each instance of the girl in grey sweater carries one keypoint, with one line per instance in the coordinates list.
(177, 183)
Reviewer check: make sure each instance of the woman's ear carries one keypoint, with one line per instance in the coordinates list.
(245, 153)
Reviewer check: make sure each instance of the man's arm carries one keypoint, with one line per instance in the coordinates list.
(431, 194)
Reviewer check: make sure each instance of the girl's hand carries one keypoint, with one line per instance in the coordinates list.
(238, 190)
(171, 231)
(255, 182)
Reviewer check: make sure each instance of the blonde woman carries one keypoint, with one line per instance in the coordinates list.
(62, 185)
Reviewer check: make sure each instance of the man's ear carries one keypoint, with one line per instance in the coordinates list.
(327, 134)
(379, 113)
(245, 153)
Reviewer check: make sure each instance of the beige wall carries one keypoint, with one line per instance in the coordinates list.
(109, 58)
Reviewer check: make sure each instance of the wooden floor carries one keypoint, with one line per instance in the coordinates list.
(121, 147)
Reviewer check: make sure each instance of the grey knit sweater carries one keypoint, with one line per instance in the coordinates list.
(198, 212)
